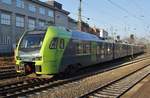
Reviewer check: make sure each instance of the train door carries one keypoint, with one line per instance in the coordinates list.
(60, 49)
(109, 50)
(113, 50)
(61, 46)
(102, 51)
(105, 51)
(52, 54)
(93, 51)
(98, 52)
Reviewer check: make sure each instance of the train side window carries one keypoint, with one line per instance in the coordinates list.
(87, 47)
(105, 49)
(79, 48)
(84, 48)
(97, 51)
(102, 48)
(53, 44)
(62, 44)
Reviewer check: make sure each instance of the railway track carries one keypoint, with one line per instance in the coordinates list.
(4, 61)
(14, 89)
(117, 88)
(33, 85)
(10, 72)
(7, 72)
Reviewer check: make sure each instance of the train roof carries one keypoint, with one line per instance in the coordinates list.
(84, 36)
(78, 35)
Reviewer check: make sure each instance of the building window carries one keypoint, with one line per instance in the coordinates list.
(50, 13)
(4, 40)
(32, 8)
(41, 23)
(6, 1)
(5, 19)
(19, 21)
(31, 23)
(20, 3)
(42, 11)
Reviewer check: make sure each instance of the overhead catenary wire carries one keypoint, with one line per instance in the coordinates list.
(131, 14)
(141, 19)
(121, 8)
(126, 11)
(138, 7)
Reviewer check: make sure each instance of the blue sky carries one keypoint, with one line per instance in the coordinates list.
(121, 16)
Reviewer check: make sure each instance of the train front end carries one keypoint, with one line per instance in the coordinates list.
(28, 51)
(41, 52)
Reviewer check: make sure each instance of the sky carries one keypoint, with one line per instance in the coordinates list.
(124, 17)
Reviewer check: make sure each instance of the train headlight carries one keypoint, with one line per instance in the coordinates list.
(38, 58)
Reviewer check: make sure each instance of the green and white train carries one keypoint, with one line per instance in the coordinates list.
(55, 50)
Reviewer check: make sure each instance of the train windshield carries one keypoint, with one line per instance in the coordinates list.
(32, 40)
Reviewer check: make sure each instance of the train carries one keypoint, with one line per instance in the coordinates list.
(55, 50)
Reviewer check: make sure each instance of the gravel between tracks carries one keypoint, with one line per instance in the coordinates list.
(86, 85)
(141, 90)
(144, 91)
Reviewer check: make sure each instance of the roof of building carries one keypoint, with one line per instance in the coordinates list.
(50, 6)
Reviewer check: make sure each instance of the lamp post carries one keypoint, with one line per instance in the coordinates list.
(79, 16)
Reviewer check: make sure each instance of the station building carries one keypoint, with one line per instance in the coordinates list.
(17, 16)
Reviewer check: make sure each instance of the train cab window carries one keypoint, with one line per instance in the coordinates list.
(62, 44)
(53, 44)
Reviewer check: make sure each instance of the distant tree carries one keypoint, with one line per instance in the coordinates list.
(132, 36)
(132, 39)
(118, 38)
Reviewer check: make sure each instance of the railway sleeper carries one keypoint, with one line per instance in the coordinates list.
(104, 95)
(108, 93)
(23, 86)
(117, 88)
(122, 89)
(7, 70)
(113, 91)
(12, 86)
